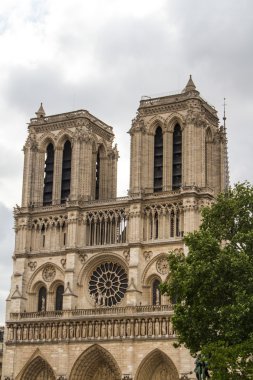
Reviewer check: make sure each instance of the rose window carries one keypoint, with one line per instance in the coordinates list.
(108, 284)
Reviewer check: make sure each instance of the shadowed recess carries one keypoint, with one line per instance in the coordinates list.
(38, 369)
(95, 363)
(157, 366)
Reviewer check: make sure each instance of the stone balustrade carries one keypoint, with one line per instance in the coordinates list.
(98, 311)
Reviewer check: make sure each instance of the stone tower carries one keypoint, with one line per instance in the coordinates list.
(85, 300)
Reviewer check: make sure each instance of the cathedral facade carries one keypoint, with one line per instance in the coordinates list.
(85, 300)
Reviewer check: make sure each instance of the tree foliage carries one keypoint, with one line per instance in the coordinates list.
(213, 286)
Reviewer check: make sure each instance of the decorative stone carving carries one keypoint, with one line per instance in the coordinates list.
(162, 265)
(63, 263)
(49, 273)
(83, 257)
(126, 255)
(147, 255)
(32, 265)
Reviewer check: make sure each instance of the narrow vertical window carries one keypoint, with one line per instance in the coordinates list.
(48, 175)
(177, 158)
(59, 297)
(66, 171)
(158, 160)
(97, 175)
(156, 294)
(42, 299)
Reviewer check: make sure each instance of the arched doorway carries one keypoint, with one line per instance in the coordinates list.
(95, 363)
(157, 366)
(38, 369)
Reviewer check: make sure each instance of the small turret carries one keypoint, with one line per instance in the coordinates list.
(190, 86)
(40, 112)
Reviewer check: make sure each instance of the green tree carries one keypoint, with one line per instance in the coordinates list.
(213, 286)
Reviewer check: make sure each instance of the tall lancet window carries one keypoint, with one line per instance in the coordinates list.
(177, 158)
(48, 175)
(42, 299)
(66, 171)
(97, 175)
(158, 160)
(59, 297)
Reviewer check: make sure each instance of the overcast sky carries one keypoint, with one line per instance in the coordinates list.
(103, 56)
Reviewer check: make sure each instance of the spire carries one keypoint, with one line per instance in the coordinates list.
(40, 112)
(190, 85)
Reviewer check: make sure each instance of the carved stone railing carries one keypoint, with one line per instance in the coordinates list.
(140, 325)
(101, 311)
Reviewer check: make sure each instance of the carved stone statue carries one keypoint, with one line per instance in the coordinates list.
(78, 330)
(157, 327)
(25, 333)
(109, 329)
(64, 331)
(103, 330)
(43, 303)
(164, 330)
(36, 333)
(128, 328)
(10, 336)
(99, 298)
(136, 328)
(150, 328)
(116, 329)
(84, 330)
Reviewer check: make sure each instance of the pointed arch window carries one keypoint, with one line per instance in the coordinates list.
(177, 158)
(158, 160)
(66, 171)
(48, 175)
(42, 299)
(59, 297)
(156, 294)
(97, 175)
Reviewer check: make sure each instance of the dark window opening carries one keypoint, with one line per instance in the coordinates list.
(156, 294)
(177, 158)
(158, 160)
(48, 175)
(59, 297)
(97, 175)
(64, 238)
(66, 171)
(42, 301)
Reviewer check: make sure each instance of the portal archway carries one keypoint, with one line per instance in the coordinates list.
(95, 363)
(157, 366)
(38, 369)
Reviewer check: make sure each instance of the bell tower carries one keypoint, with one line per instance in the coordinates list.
(68, 157)
(176, 142)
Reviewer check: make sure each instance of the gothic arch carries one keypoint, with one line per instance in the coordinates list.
(157, 366)
(95, 363)
(37, 368)
(32, 283)
(145, 280)
(209, 135)
(62, 137)
(101, 147)
(173, 120)
(154, 122)
(46, 139)
(96, 260)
